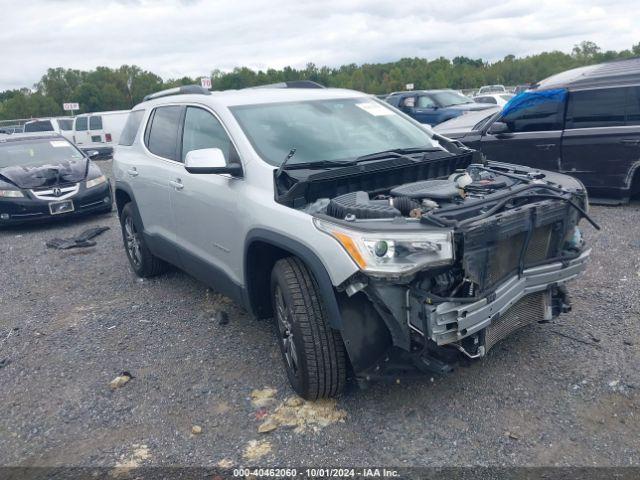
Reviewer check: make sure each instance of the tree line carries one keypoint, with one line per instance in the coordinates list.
(121, 88)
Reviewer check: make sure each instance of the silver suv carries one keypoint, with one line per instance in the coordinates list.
(379, 248)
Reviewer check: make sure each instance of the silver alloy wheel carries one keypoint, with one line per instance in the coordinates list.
(133, 244)
(283, 318)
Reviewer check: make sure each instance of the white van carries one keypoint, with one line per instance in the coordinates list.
(61, 125)
(99, 131)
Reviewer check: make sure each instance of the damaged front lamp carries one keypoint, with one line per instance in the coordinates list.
(394, 254)
(94, 182)
(11, 193)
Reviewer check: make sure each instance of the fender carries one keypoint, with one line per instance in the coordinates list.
(127, 189)
(312, 261)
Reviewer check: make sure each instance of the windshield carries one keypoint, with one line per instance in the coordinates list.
(327, 130)
(39, 126)
(448, 99)
(37, 152)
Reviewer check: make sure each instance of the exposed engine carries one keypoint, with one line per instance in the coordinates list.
(417, 198)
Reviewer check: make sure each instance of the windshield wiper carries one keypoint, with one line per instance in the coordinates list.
(397, 153)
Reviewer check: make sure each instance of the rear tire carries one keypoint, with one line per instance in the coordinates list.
(142, 261)
(313, 352)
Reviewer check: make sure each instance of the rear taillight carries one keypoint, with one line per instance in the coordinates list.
(107, 137)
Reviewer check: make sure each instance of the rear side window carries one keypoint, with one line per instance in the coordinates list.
(82, 124)
(131, 128)
(95, 123)
(203, 130)
(162, 132)
(536, 111)
(596, 108)
(485, 100)
(39, 126)
(66, 124)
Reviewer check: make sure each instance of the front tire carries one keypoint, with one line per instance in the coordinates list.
(313, 352)
(142, 261)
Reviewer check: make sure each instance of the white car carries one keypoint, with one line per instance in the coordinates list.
(499, 99)
(99, 131)
(61, 125)
(492, 89)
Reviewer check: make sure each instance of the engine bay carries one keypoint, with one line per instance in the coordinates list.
(415, 199)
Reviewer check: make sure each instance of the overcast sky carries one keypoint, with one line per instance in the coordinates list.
(192, 37)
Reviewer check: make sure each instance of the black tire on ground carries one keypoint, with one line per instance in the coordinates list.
(142, 261)
(313, 353)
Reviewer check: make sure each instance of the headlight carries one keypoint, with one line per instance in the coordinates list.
(392, 253)
(11, 193)
(96, 181)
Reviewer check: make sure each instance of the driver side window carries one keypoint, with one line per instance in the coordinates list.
(425, 102)
(203, 130)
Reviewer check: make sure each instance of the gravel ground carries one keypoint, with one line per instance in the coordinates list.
(562, 393)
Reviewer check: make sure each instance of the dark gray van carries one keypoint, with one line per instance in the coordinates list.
(584, 122)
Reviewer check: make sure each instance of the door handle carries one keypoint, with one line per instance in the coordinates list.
(177, 184)
(546, 146)
(133, 172)
(630, 142)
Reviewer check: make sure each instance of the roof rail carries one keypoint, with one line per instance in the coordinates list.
(183, 90)
(292, 84)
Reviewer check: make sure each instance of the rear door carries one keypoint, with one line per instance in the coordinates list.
(153, 175)
(205, 205)
(81, 134)
(534, 131)
(601, 141)
(426, 110)
(96, 130)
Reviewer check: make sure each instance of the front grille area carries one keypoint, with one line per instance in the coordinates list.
(529, 309)
(504, 255)
(56, 193)
(497, 247)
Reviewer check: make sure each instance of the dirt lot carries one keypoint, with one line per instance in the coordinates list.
(564, 393)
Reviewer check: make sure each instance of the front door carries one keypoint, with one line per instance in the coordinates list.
(534, 123)
(205, 207)
(426, 110)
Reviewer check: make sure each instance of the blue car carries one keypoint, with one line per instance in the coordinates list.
(434, 106)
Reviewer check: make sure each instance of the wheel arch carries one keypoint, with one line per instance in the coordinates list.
(262, 249)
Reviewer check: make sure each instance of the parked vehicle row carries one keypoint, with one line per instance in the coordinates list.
(97, 131)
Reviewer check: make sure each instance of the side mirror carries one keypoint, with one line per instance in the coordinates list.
(210, 160)
(92, 154)
(498, 128)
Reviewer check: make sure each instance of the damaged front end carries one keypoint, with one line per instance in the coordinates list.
(454, 263)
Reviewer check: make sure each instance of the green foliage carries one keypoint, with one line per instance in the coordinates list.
(122, 88)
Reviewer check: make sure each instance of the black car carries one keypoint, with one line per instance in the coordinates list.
(583, 122)
(44, 176)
